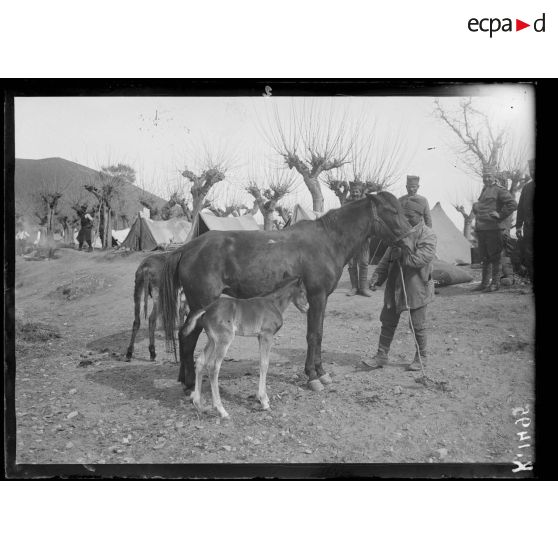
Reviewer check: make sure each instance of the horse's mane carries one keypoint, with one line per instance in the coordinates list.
(333, 216)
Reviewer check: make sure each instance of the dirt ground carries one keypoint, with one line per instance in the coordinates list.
(78, 401)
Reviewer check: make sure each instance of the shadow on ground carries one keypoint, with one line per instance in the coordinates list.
(118, 342)
(158, 381)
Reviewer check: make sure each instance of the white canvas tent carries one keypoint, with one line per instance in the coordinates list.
(120, 235)
(206, 221)
(146, 234)
(452, 246)
(300, 214)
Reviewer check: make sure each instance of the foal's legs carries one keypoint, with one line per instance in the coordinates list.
(204, 359)
(187, 344)
(153, 325)
(222, 345)
(266, 341)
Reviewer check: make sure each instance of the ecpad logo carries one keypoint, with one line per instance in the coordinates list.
(492, 25)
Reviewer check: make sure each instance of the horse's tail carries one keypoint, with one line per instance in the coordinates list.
(145, 290)
(168, 293)
(192, 321)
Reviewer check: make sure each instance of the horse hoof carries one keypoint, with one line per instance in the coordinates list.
(315, 385)
(325, 379)
(187, 390)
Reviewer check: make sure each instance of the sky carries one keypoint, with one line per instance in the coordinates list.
(160, 136)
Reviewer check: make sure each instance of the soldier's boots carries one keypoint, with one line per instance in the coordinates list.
(363, 281)
(416, 364)
(485, 282)
(354, 282)
(420, 336)
(379, 360)
(496, 272)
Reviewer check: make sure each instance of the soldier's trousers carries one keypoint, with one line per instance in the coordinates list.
(363, 256)
(390, 319)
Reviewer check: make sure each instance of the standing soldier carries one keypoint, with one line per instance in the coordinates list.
(524, 222)
(494, 206)
(84, 235)
(507, 276)
(413, 203)
(358, 265)
(410, 287)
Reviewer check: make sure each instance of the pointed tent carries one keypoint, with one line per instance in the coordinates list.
(146, 234)
(209, 222)
(120, 235)
(452, 246)
(299, 214)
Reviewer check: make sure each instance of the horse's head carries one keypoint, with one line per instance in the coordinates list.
(388, 220)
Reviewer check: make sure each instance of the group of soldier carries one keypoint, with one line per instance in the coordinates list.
(408, 273)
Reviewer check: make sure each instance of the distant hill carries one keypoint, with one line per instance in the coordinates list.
(35, 175)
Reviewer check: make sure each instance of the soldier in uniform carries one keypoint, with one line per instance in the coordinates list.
(413, 203)
(358, 265)
(507, 275)
(524, 221)
(494, 206)
(84, 235)
(418, 291)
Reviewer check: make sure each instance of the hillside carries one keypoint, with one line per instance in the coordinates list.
(35, 175)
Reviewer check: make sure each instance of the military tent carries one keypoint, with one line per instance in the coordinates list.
(300, 214)
(146, 234)
(452, 246)
(206, 221)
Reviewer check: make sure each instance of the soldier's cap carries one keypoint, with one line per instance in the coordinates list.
(413, 180)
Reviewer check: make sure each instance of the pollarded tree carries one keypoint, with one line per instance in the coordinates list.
(48, 203)
(107, 189)
(234, 209)
(176, 204)
(377, 161)
(213, 171)
(314, 139)
(481, 143)
(268, 192)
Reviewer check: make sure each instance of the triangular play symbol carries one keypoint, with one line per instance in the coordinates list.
(519, 25)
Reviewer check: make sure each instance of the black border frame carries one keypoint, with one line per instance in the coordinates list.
(545, 97)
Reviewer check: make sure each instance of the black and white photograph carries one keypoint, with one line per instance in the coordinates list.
(332, 275)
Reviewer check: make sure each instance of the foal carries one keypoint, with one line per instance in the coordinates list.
(260, 317)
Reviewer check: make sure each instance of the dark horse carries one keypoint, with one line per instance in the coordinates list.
(246, 264)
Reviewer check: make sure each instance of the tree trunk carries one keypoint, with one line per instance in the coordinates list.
(108, 231)
(197, 205)
(468, 227)
(50, 222)
(313, 184)
(97, 229)
(67, 234)
(268, 220)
